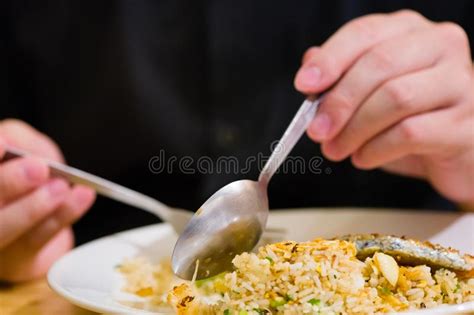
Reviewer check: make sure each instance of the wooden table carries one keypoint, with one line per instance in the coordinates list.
(35, 298)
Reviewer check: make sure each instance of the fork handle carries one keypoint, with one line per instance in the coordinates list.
(102, 186)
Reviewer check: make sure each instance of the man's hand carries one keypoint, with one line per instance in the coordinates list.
(402, 98)
(36, 211)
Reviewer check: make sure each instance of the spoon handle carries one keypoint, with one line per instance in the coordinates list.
(293, 133)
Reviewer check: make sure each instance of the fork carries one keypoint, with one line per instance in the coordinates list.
(176, 217)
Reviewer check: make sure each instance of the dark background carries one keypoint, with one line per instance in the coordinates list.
(115, 82)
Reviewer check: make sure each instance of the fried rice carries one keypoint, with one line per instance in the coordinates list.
(315, 277)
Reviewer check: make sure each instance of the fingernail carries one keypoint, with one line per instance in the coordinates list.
(57, 187)
(309, 76)
(33, 171)
(320, 126)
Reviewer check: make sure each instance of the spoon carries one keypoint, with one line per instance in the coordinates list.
(232, 220)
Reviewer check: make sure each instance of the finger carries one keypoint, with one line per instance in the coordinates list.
(21, 264)
(381, 63)
(410, 165)
(19, 134)
(310, 54)
(20, 176)
(2, 148)
(395, 100)
(78, 202)
(20, 216)
(323, 67)
(416, 135)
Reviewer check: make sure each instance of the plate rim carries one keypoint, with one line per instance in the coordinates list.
(82, 302)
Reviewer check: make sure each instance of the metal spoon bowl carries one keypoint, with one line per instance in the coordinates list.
(233, 219)
(239, 228)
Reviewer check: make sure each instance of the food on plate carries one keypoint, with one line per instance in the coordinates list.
(411, 252)
(315, 277)
(146, 279)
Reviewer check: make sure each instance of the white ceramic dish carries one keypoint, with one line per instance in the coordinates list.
(87, 277)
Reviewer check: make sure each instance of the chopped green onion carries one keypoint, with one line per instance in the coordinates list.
(200, 283)
(243, 312)
(458, 287)
(385, 290)
(314, 302)
(277, 303)
(269, 259)
(227, 312)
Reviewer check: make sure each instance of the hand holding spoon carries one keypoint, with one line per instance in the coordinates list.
(232, 220)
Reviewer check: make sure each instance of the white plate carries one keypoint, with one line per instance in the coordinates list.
(87, 277)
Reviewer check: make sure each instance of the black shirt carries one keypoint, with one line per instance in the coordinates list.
(116, 83)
